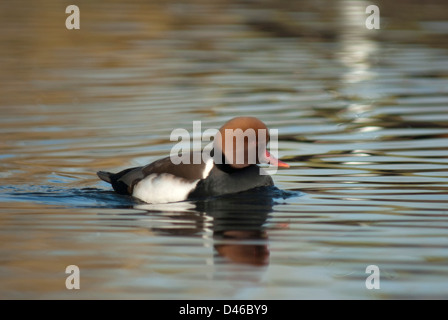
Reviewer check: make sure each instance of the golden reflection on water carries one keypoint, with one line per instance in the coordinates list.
(362, 117)
(358, 48)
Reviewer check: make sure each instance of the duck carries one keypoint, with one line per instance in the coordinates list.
(230, 168)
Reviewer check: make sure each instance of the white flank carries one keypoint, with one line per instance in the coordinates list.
(208, 167)
(163, 188)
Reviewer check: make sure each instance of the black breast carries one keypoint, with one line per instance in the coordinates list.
(225, 180)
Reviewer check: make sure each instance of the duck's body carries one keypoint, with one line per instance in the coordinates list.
(163, 181)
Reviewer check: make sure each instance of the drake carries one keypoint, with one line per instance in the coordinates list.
(231, 168)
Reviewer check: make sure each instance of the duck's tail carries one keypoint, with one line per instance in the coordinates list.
(105, 176)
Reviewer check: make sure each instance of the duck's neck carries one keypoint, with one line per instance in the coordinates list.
(223, 166)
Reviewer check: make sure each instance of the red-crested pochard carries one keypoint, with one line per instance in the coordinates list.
(163, 181)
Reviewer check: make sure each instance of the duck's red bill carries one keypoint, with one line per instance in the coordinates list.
(275, 162)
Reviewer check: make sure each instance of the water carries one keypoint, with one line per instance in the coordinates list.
(363, 121)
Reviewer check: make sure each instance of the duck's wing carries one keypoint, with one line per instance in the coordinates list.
(189, 171)
(124, 181)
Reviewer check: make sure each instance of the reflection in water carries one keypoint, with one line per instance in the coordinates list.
(238, 226)
(357, 48)
(237, 223)
(357, 52)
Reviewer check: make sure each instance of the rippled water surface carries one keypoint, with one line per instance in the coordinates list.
(362, 118)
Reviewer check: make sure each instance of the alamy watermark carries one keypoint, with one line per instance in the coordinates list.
(73, 280)
(373, 280)
(373, 21)
(235, 147)
(72, 21)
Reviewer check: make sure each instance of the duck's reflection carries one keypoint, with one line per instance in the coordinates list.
(239, 226)
(236, 223)
(246, 253)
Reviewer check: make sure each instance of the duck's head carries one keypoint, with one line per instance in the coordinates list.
(242, 141)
